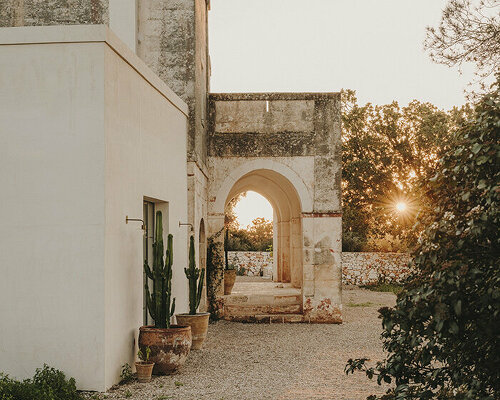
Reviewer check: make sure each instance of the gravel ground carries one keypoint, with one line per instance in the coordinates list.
(277, 361)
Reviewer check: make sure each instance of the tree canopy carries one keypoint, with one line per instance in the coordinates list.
(387, 150)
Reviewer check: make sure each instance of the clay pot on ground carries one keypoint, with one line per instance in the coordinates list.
(144, 371)
(229, 278)
(199, 327)
(169, 347)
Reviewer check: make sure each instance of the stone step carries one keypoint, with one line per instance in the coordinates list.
(267, 318)
(261, 309)
(261, 299)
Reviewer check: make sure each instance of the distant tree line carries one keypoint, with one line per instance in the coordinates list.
(387, 151)
(256, 237)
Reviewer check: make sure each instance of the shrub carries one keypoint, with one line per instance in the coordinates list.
(47, 384)
(442, 337)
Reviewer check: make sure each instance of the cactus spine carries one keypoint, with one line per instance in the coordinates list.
(195, 285)
(158, 302)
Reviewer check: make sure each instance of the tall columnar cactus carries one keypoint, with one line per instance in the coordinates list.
(158, 302)
(195, 285)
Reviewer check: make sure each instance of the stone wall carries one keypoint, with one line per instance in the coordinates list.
(253, 262)
(365, 268)
(53, 12)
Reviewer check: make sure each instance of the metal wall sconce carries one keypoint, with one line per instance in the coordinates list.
(186, 224)
(135, 219)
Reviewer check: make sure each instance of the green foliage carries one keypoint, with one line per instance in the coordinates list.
(195, 278)
(47, 384)
(240, 271)
(443, 336)
(387, 150)
(256, 237)
(231, 267)
(366, 304)
(126, 374)
(215, 277)
(142, 357)
(384, 287)
(159, 303)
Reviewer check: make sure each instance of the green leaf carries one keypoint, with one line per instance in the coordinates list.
(476, 147)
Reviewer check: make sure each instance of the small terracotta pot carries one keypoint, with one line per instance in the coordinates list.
(144, 371)
(169, 347)
(229, 278)
(199, 327)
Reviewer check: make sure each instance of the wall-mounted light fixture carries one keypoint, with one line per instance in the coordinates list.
(186, 224)
(135, 219)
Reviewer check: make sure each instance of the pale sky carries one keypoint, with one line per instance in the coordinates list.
(372, 46)
(252, 206)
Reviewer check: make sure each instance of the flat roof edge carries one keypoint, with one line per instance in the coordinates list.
(25, 35)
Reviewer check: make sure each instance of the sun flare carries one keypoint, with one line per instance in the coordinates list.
(401, 207)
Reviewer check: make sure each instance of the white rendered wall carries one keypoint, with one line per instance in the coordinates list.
(145, 156)
(86, 132)
(52, 209)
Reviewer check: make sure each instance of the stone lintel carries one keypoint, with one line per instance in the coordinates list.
(274, 96)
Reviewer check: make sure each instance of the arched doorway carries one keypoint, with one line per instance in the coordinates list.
(308, 247)
(286, 204)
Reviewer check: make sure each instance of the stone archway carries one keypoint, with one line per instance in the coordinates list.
(285, 146)
(283, 197)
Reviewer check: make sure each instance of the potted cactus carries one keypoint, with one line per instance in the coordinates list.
(169, 344)
(197, 321)
(229, 270)
(144, 367)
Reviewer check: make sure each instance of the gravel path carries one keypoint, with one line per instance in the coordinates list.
(277, 361)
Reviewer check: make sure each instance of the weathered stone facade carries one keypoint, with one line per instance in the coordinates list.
(252, 263)
(367, 268)
(287, 147)
(53, 12)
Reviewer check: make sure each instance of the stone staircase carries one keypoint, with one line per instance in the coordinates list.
(275, 305)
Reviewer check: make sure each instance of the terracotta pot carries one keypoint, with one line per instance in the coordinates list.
(229, 278)
(169, 347)
(199, 327)
(144, 371)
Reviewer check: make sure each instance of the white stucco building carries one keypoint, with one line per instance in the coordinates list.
(88, 135)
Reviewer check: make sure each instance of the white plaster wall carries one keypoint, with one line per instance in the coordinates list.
(52, 209)
(145, 156)
(86, 132)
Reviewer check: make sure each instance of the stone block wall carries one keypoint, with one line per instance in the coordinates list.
(365, 268)
(253, 262)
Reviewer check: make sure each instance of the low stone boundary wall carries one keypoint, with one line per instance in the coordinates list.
(357, 268)
(365, 268)
(252, 263)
